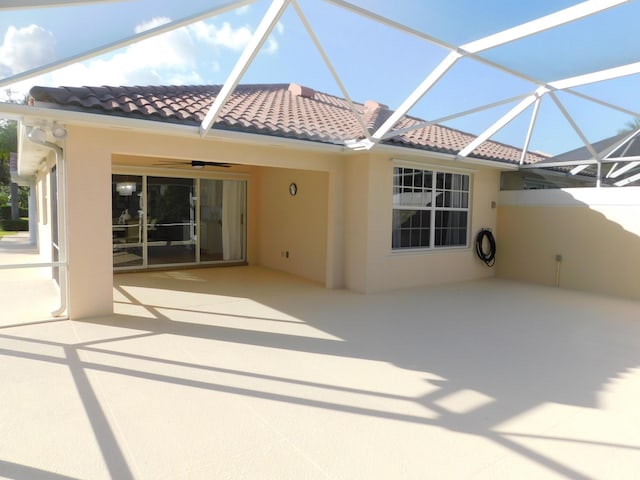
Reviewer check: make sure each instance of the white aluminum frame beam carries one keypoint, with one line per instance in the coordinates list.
(582, 136)
(502, 122)
(578, 169)
(471, 49)
(152, 32)
(553, 20)
(607, 152)
(627, 141)
(329, 65)
(570, 163)
(628, 180)
(532, 124)
(576, 128)
(604, 104)
(599, 76)
(547, 22)
(418, 93)
(453, 116)
(266, 26)
(616, 172)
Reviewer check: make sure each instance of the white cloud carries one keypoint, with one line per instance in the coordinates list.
(188, 55)
(232, 38)
(272, 46)
(272, 43)
(166, 58)
(26, 48)
(225, 36)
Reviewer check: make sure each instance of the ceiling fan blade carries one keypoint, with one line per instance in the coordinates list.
(191, 163)
(202, 164)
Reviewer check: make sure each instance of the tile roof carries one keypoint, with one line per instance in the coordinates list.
(284, 110)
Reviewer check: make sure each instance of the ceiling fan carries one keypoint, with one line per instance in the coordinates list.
(191, 163)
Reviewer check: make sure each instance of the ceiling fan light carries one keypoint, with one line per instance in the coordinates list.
(125, 189)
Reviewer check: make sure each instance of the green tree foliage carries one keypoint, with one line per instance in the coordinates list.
(631, 126)
(8, 144)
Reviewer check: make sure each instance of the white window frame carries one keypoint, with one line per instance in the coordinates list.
(432, 207)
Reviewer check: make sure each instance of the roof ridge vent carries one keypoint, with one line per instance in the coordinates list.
(300, 91)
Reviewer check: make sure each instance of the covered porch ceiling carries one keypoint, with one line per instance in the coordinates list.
(552, 76)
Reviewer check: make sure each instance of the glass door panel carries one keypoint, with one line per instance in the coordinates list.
(126, 220)
(210, 220)
(171, 220)
(222, 214)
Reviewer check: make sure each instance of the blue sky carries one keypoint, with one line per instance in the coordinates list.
(374, 61)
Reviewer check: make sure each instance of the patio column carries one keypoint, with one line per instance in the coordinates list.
(88, 222)
(335, 228)
(357, 223)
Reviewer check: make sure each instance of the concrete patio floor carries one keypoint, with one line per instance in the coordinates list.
(244, 373)
(25, 294)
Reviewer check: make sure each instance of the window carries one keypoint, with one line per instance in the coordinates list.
(430, 209)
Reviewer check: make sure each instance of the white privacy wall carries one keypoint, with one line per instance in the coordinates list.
(585, 239)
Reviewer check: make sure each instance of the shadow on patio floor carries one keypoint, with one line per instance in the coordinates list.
(245, 372)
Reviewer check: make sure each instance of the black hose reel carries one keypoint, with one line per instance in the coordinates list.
(487, 256)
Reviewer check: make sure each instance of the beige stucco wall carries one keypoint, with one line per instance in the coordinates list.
(293, 229)
(596, 231)
(369, 207)
(337, 230)
(91, 153)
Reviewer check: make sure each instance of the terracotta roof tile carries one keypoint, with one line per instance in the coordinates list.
(287, 110)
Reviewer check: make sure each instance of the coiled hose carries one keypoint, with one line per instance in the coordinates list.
(489, 258)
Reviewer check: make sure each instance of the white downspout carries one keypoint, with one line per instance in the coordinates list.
(33, 214)
(36, 135)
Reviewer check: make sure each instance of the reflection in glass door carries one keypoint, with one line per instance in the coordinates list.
(126, 220)
(171, 220)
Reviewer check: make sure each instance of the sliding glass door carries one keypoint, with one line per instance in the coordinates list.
(177, 221)
(171, 220)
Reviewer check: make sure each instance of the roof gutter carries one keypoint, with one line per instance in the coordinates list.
(429, 155)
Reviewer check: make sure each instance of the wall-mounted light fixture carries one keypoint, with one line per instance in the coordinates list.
(37, 134)
(58, 131)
